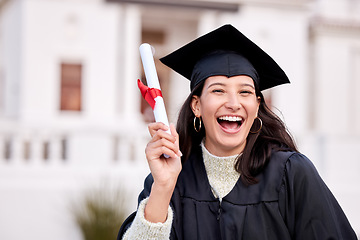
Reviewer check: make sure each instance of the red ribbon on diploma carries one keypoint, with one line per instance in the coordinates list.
(149, 94)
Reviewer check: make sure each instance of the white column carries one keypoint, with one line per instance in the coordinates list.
(55, 149)
(13, 38)
(124, 149)
(131, 64)
(36, 150)
(16, 150)
(207, 22)
(355, 97)
(293, 99)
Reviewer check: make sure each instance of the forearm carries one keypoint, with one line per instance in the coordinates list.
(156, 209)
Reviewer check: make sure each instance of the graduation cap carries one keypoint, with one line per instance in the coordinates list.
(225, 51)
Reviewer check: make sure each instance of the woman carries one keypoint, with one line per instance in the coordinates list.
(234, 171)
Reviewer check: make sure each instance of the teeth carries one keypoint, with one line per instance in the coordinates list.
(230, 118)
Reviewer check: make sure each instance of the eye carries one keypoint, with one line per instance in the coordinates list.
(246, 92)
(217, 91)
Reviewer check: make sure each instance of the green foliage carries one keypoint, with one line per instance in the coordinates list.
(100, 214)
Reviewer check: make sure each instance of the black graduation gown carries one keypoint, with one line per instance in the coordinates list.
(290, 202)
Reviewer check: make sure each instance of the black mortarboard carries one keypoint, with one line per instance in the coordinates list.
(225, 51)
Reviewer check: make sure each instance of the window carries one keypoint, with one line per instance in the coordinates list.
(70, 96)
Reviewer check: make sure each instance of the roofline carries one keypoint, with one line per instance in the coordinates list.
(208, 5)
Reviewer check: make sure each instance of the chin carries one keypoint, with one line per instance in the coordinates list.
(232, 149)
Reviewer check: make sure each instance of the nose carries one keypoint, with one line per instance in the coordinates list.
(233, 102)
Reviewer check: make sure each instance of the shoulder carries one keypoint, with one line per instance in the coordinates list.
(291, 167)
(298, 171)
(300, 167)
(307, 205)
(292, 161)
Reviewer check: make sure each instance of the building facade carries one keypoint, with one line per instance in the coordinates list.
(72, 118)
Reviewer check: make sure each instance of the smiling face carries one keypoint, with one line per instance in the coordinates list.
(227, 107)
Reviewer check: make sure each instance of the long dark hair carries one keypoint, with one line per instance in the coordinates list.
(259, 145)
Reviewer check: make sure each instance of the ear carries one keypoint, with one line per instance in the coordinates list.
(258, 105)
(195, 105)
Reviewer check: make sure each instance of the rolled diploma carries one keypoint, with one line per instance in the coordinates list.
(153, 82)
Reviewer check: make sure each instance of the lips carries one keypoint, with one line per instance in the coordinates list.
(230, 124)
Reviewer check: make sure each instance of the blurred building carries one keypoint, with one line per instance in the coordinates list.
(71, 116)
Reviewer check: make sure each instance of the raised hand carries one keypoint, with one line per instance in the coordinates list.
(164, 170)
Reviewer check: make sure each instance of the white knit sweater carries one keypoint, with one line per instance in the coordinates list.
(221, 172)
(222, 178)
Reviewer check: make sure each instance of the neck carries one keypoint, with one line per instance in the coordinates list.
(215, 151)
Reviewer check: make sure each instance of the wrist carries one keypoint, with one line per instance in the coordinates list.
(163, 186)
(156, 209)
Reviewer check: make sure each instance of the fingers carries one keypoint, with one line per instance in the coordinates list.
(162, 142)
(156, 126)
(173, 131)
(158, 148)
(176, 135)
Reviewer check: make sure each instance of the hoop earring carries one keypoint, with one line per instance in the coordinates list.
(199, 128)
(261, 124)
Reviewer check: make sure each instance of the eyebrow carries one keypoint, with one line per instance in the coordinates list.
(222, 84)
